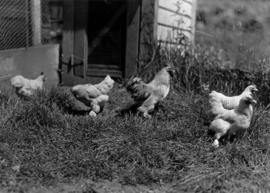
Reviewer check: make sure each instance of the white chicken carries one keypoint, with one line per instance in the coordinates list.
(26, 87)
(148, 95)
(232, 120)
(94, 95)
(228, 102)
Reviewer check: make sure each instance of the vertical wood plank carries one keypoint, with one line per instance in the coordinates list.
(148, 27)
(80, 36)
(27, 5)
(36, 21)
(132, 36)
(85, 53)
(68, 35)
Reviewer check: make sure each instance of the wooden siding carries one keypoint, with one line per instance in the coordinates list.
(175, 21)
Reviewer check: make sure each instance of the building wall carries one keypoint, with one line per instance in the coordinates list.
(31, 62)
(176, 21)
(146, 22)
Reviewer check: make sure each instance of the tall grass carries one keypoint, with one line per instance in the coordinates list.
(43, 142)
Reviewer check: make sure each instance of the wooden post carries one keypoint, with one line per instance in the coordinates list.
(68, 36)
(36, 21)
(85, 54)
(80, 51)
(75, 41)
(193, 30)
(27, 23)
(132, 37)
(148, 35)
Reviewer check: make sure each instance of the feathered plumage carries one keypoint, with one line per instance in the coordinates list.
(218, 101)
(94, 95)
(147, 95)
(232, 120)
(26, 87)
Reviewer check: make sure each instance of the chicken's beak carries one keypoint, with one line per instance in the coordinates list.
(254, 90)
(253, 101)
(171, 72)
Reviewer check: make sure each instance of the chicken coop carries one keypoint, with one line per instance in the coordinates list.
(30, 35)
(109, 36)
(83, 40)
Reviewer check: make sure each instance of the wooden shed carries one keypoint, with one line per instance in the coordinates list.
(109, 36)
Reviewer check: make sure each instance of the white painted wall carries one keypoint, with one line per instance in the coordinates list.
(175, 17)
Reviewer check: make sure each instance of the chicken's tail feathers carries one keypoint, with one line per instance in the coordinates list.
(133, 81)
(16, 82)
(215, 103)
(137, 89)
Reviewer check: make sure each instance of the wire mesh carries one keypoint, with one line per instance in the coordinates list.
(17, 23)
(14, 22)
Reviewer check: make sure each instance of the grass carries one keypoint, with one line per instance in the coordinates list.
(238, 29)
(43, 144)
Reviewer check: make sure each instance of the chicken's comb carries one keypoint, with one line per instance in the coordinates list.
(170, 65)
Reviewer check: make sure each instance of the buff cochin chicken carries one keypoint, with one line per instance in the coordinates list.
(26, 87)
(94, 95)
(233, 120)
(218, 101)
(147, 95)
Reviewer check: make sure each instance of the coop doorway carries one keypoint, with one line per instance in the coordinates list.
(106, 32)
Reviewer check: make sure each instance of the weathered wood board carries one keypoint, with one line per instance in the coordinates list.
(175, 17)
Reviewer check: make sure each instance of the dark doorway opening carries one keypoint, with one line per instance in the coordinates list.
(106, 34)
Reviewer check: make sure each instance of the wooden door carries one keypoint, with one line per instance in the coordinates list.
(100, 37)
